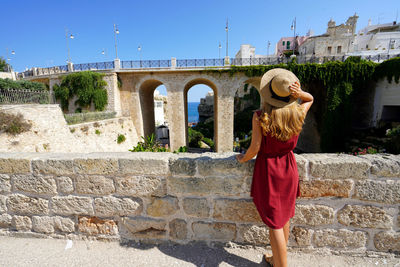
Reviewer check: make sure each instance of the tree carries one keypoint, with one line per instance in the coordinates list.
(3, 64)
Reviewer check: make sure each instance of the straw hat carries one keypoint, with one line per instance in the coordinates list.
(274, 87)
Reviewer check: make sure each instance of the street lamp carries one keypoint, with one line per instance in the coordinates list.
(227, 29)
(140, 54)
(293, 28)
(116, 31)
(8, 59)
(269, 44)
(219, 50)
(66, 40)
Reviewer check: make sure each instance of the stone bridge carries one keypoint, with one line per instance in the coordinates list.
(134, 97)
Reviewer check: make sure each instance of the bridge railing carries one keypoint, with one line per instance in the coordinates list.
(192, 63)
(144, 64)
(24, 96)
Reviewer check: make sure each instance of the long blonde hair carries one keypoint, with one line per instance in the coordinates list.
(282, 123)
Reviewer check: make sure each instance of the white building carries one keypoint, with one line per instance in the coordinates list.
(159, 115)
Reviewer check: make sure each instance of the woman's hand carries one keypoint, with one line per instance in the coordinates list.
(240, 158)
(295, 89)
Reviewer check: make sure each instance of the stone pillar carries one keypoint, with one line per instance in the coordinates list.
(176, 117)
(113, 94)
(52, 82)
(117, 64)
(70, 67)
(224, 122)
(173, 63)
(227, 61)
(136, 113)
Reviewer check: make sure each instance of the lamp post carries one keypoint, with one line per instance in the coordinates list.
(8, 59)
(219, 50)
(269, 44)
(66, 40)
(139, 48)
(227, 29)
(293, 28)
(116, 31)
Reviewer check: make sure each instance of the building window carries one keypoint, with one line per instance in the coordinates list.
(366, 46)
(288, 45)
(283, 43)
(339, 49)
(329, 49)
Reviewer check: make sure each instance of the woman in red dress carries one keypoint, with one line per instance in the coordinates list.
(275, 130)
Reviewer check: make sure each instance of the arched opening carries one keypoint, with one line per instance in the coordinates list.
(246, 101)
(200, 130)
(153, 98)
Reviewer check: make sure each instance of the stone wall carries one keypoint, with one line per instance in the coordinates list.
(348, 203)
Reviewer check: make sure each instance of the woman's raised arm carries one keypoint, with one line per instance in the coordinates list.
(256, 138)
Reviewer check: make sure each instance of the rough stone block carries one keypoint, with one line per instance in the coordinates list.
(378, 191)
(96, 226)
(237, 210)
(364, 216)
(24, 205)
(112, 206)
(34, 184)
(341, 238)
(21, 223)
(141, 186)
(301, 167)
(140, 227)
(325, 188)
(206, 185)
(145, 165)
(253, 234)
(164, 206)
(15, 165)
(207, 166)
(64, 224)
(3, 206)
(65, 185)
(94, 185)
(5, 220)
(385, 165)
(337, 166)
(53, 167)
(214, 231)
(5, 185)
(43, 224)
(178, 229)
(72, 205)
(302, 236)
(96, 166)
(182, 166)
(313, 215)
(197, 207)
(387, 241)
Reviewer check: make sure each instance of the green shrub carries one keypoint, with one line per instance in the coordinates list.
(88, 86)
(393, 144)
(97, 132)
(149, 144)
(209, 142)
(194, 137)
(181, 149)
(121, 138)
(22, 84)
(13, 124)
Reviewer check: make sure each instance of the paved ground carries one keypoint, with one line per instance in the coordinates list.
(57, 252)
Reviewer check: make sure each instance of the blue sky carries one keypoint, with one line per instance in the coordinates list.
(35, 30)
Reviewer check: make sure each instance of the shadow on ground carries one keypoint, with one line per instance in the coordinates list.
(197, 253)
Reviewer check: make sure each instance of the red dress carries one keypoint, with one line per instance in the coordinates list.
(275, 184)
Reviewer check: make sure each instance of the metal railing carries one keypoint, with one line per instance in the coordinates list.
(195, 63)
(213, 62)
(94, 66)
(23, 96)
(144, 64)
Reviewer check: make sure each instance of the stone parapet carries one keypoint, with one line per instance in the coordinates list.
(347, 203)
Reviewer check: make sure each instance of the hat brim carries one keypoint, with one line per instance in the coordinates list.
(265, 93)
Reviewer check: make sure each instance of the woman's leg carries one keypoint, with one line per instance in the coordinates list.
(286, 231)
(278, 245)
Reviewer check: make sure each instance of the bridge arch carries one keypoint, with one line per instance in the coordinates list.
(146, 96)
(187, 87)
